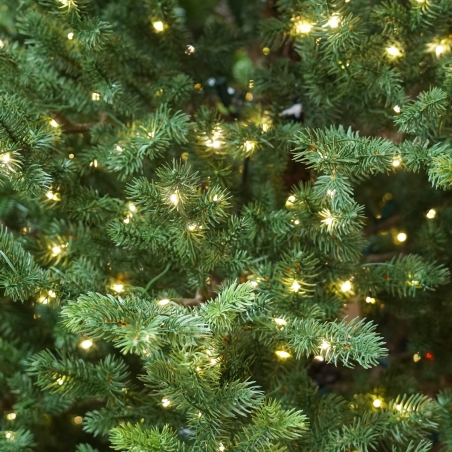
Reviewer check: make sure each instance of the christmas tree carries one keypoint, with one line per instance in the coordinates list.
(225, 225)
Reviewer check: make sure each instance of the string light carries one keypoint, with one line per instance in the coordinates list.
(119, 148)
(53, 123)
(174, 198)
(126, 220)
(325, 345)
(291, 199)
(78, 419)
(158, 26)
(215, 198)
(399, 407)
(401, 237)
(190, 50)
(396, 109)
(280, 321)
(328, 221)
(377, 403)
(9, 435)
(283, 354)
(303, 27)
(396, 163)
(213, 361)
(163, 302)
(297, 222)
(431, 214)
(370, 300)
(52, 293)
(56, 249)
(118, 288)
(318, 358)
(132, 208)
(393, 51)
(11, 416)
(1, 43)
(43, 300)
(346, 286)
(95, 96)
(249, 146)
(221, 448)
(70, 35)
(295, 286)
(254, 283)
(439, 50)
(166, 402)
(192, 227)
(86, 344)
(416, 357)
(264, 127)
(333, 22)
(198, 369)
(60, 381)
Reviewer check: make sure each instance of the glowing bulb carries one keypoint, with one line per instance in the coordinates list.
(163, 302)
(11, 416)
(44, 300)
(291, 198)
(5, 158)
(52, 293)
(297, 222)
(280, 321)
(370, 300)
(303, 27)
(95, 96)
(333, 22)
(264, 127)
(396, 163)
(119, 148)
(346, 286)
(295, 286)
(249, 97)
(249, 146)
(86, 344)
(126, 220)
(325, 345)
(199, 414)
(377, 403)
(282, 354)
(56, 249)
(328, 221)
(254, 283)
(174, 198)
(60, 381)
(318, 358)
(78, 419)
(53, 123)
(70, 35)
(118, 288)
(396, 109)
(132, 208)
(221, 448)
(158, 26)
(213, 361)
(416, 357)
(431, 214)
(399, 407)
(198, 369)
(265, 50)
(401, 237)
(393, 51)
(190, 49)
(192, 227)
(439, 50)
(1, 43)
(215, 198)
(166, 402)
(216, 144)
(8, 435)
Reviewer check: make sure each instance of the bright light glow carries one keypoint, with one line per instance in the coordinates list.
(282, 354)
(174, 198)
(295, 286)
(303, 27)
(163, 302)
(56, 249)
(370, 300)
(401, 237)
(333, 22)
(215, 198)
(280, 321)
(264, 127)
(198, 369)
(190, 49)
(318, 358)
(325, 345)
(291, 198)
(118, 288)
(213, 361)
(86, 344)
(53, 123)
(126, 220)
(431, 214)
(158, 25)
(1, 43)
(297, 222)
(216, 144)
(5, 158)
(396, 109)
(396, 163)
(221, 448)
(254, 283)
(119, 148)
(377, 403)
(393, 51)
(60, 381)
(265, 50)
(399, 407)
(11, 416)
(166, 402)
(44, 300)
(346, 286)
(95, 96)
(49, 195)
(439, 50)
(249, 146)
(192, 227)
(132, 208)
(52, 293)
(8, 435)
(328, 221)
(70, 35)
(416, 357)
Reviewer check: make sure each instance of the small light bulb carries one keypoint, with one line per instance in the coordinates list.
(295, 286)
(249, 146)
(401, 237)
(174, 198)
(118, 288)
(60, 381)
(377, 403)
(328, 221)
(439, 50)
(221, 448)
(318, 358)
(1, 43)
(56, 249)
(95, 96)
(5, 158)
(119, 148)
(346, 286)
(264, 127)
(333, 22)
(370, 300)
(431, 214)
(280, 321)
(11, 416)
(166, 402)
(8, 435)
(126, 220)
(198, 369)
(393, 51)
(396, 163)
(399, 407)
(282, 354)
(254, 283)
(297, 222)
(213, 361)
(199, 414)
(78, 419)
(249, 97)
(158, 25)
(291, 198)
(53, 123)
(192, 227)
(86, 344)
(52, 293)
(132, 208)
(325, 345)
(303, 27)
(163, 302)
(215, 198)
(190, 49)
(396, 109)
(70, 35)
(416, 357)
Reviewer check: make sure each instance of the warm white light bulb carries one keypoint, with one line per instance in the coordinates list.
(318, 358)
(118, 288)
(291, 198)
(282, 354)
(6, 158)
(399, 407)
(295, 286)
(56, 249)
(95, 96)
(303, 27)
(249, 146)
(174, 198)
(346, 286)
(166, 402)
(86, 344)
(370, 300)
(396, 109)
(325, 345)
(393, 51)
(439, 50)
(280, 321)
(158, 25)
(396, 163)
(11, 416)
(328, 221)
(132, 208)
(401, 237)
(163, 302)
(377, 403)
(70, 35)
(333, 22)
(431, 214)
(53, 123)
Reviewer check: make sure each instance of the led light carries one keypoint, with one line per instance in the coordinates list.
(254, 283)
(401, 237)
(70, 35)
(393, 51)
(95, 96)
(132, 208)
(280, 321)
(396, 163)
(399, 407)
(198, 369)
(53, 123)
(86, 344)
(78, 419)
(295, 286)
(439, 50)
(416, 357)
(297, 222)
(1, 43)
(174, 198)
(71, 156)
(56, 249)
(333, 22)
(166, 402)
(249, 97)
(328, 221)
(431, 214)
(264, 127)
(213, 361)
(190, 49)
(11, 416)
(291, 199)
(5, 158)
(370, 300)
(119, 148)
(216, 144)
(8, 435)
(346, 286)
(60, 381)
(52, 293)
(396, 109)
(118, 288)
(126, 220)
(192, 227)
(215, 198)
(325, 345)
(249, 146)
(303, 27)
(221, 448)
(44, 300)
(282, 354)
(318, 358)
(377, 403)
(163, 302)
(158, 25)
(199, 414)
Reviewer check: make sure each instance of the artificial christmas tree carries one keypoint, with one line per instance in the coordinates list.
(225, 225)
